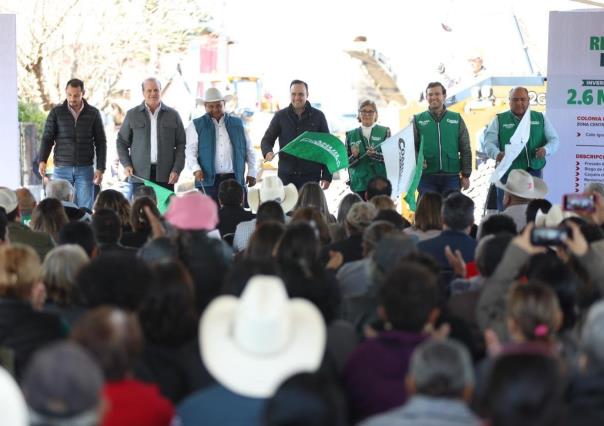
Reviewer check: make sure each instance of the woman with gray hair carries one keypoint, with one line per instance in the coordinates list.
(59, 271)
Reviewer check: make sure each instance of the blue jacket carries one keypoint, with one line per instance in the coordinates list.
(206, 137)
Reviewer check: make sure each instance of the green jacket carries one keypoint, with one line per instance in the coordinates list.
(362, 170)
(445, 141)
(508, 123)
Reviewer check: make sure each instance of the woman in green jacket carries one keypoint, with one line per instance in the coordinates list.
(365, 155)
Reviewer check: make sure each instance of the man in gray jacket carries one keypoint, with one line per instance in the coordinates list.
(151, 141)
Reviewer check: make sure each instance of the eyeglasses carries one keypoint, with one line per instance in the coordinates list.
(367, 112)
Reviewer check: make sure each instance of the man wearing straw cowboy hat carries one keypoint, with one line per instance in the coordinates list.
(151, 141)
(250, 345)
(520, 188)
(218, 147)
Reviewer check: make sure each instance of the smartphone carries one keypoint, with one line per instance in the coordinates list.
(549, 236)
(584, 203)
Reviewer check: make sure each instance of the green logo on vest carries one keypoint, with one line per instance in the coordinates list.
(452, 121)
(509, 126)
(423, 122)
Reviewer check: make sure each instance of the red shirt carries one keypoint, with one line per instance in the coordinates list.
(135, 403)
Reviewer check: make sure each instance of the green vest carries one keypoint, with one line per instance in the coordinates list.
(440, 141)
(366, 168)
(507, 126)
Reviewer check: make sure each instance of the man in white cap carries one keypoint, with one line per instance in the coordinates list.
(218, 147)
(520, 188)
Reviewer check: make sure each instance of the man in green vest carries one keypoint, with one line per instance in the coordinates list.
(443, 136)
(543, 140)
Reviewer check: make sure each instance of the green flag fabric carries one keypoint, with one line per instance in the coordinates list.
(163, 195)
(410, 196)
(322, 148)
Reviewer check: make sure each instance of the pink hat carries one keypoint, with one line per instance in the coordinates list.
(193, 211)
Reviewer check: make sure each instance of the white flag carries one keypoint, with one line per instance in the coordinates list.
(399, 159)
(514, 148)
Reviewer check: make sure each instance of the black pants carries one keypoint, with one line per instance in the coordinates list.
(298, 179)
(212, 190)
(152, 177)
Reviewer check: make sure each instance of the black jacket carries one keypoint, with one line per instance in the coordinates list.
(75, 143)
(23, 331)
(286, 126)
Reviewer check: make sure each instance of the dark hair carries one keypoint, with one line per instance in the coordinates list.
(458, 211)
(113, 337)
(550, 270)
(378, 185)
(11, 216)
(394, 218)
(533, 206)
(144, 191)
(270, 210)
(138, 217)
(345, 205)
(299, 82)
(436, 84)
(428, 212)
(311, 195)
(491, 252)
(263, 241)
(314, 218)
(524, 390)
(496, 224)
(307, 399)
(3, 224)
(79, 233)
(107, 226)
(113, 279)
(242, 271)
(230, 193)
(167, 314)
(74, 82)
(114, 200)
(408, 296)
(300, 244)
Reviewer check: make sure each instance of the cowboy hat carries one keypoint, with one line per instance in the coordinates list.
(553, 217)
(193, 211)
(272, 189)
(214, 95)
(251, 344)
(522, 184)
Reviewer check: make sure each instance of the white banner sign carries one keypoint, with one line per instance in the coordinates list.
(399, 159)
(575, 100)
(9, 125)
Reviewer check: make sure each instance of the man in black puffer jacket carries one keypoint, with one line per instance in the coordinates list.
(75, 130)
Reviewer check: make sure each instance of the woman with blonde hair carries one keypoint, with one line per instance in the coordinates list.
(49, 216)
(365, 155)
(427, 222)
(23, 328)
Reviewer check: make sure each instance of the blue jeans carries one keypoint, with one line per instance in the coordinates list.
(441, 184)
(504, 179)
(81, 179)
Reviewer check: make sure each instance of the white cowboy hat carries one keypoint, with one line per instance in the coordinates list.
(522, 184)
(553, 217)
(12, 403)
(214, 95)
(272, 189)
(250, 345)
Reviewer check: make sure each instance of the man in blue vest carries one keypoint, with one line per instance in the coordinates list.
(543, 140)
(218, 147)
(446, 145)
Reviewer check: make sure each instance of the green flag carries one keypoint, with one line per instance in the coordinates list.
(322, 148)
(417, 175)
(163, 195)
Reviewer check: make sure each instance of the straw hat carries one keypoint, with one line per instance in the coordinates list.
(251, 344)
(272, 189)
(522, 184)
